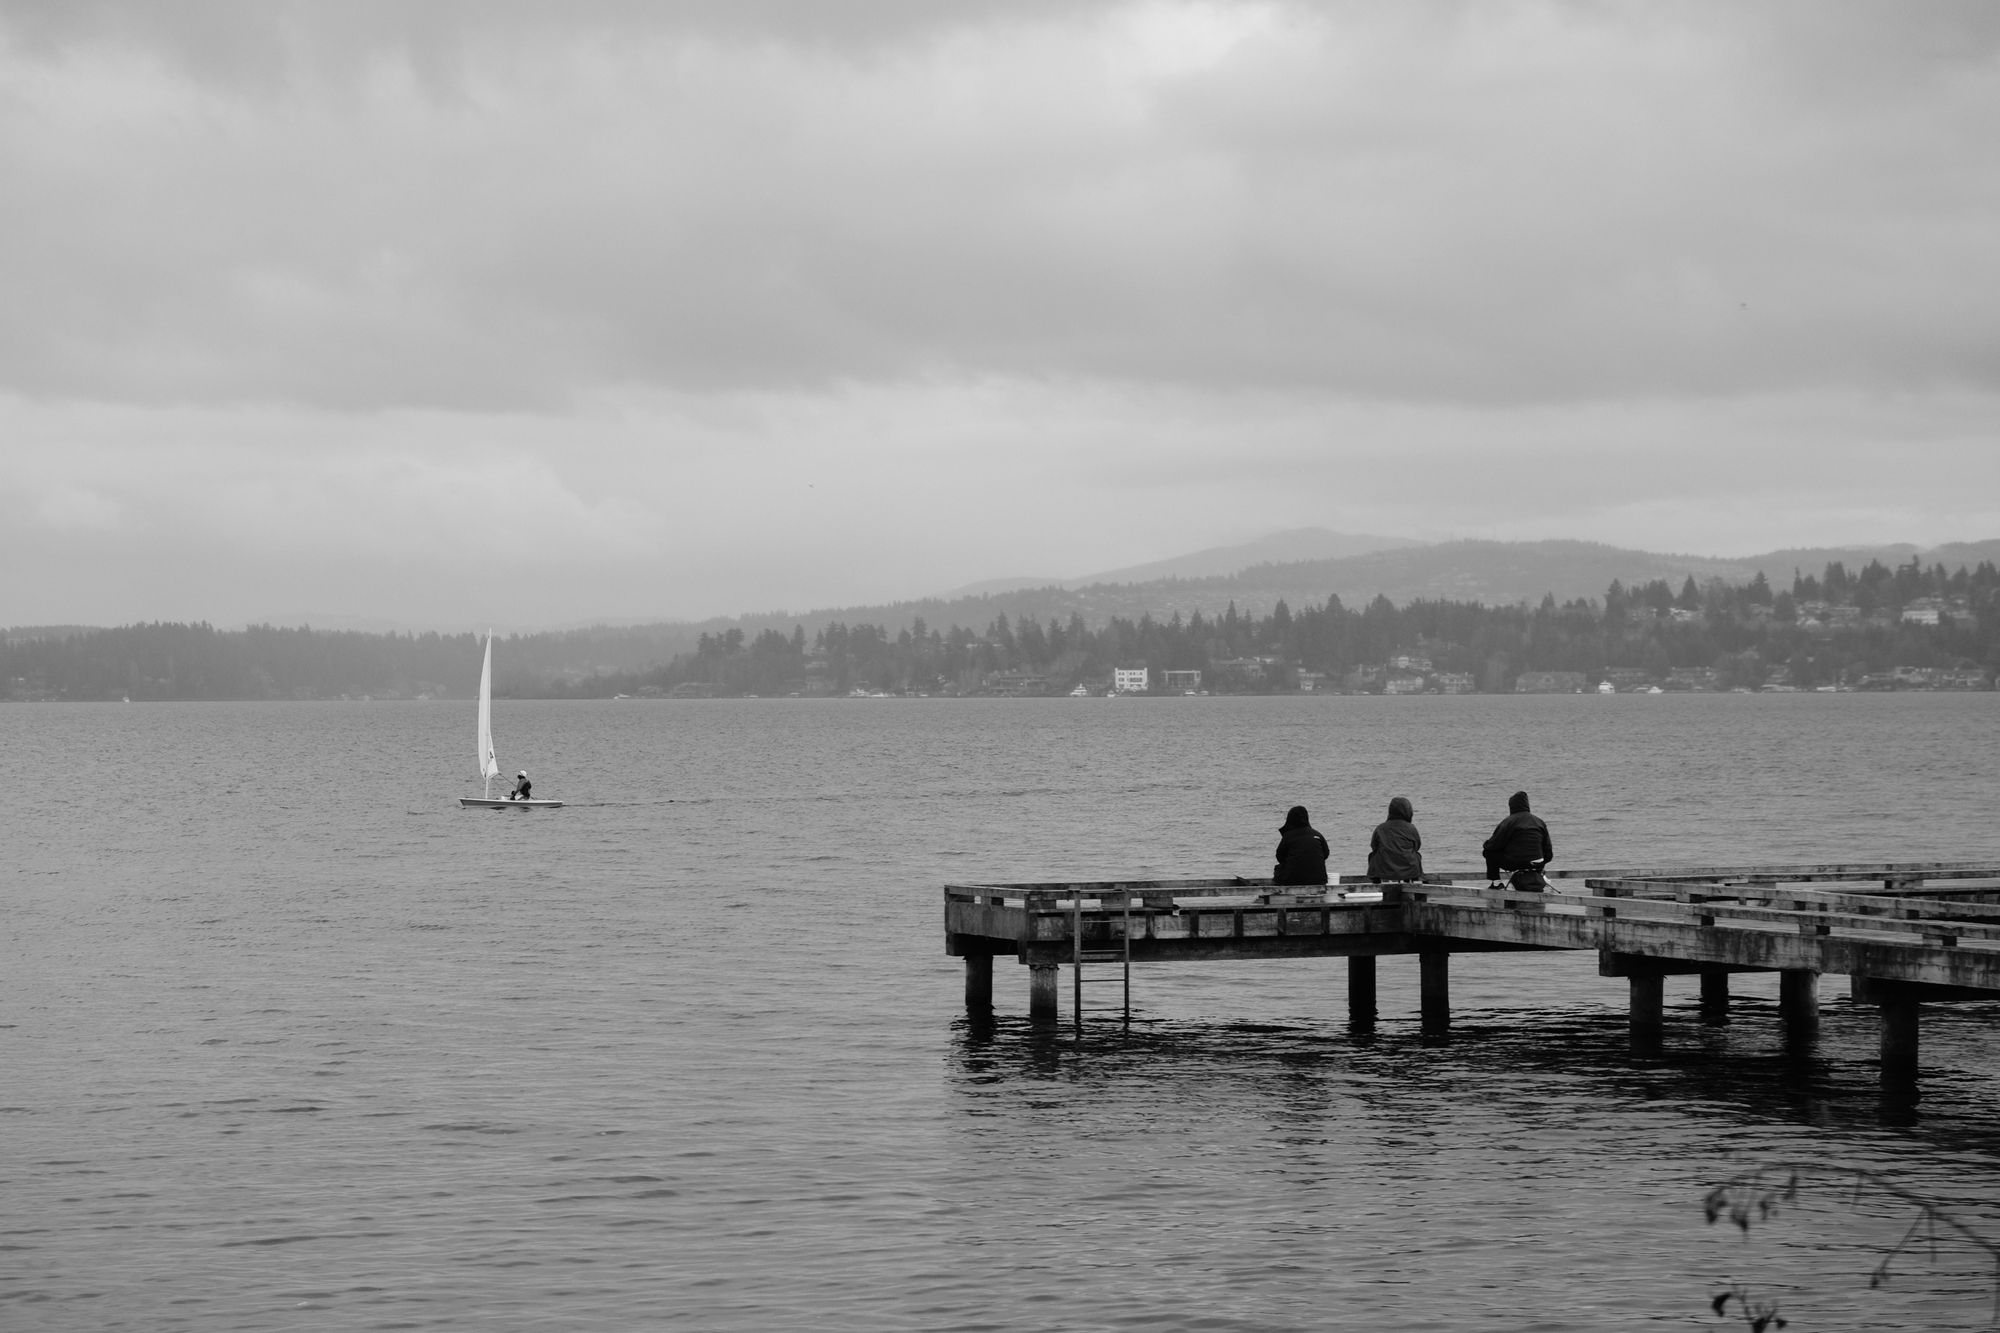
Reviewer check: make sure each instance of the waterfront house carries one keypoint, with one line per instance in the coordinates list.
(1549, 682)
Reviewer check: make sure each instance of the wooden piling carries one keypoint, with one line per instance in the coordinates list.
(1361, 988)
(1714, 994)
(1798, 1002)
(1434, 971)
(1648, 991)
(1899, 1034)
(1042, 994)
(978, 983)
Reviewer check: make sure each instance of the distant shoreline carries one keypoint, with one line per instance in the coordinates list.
(993, 698)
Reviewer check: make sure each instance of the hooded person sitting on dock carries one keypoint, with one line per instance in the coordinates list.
(1519, 841)
(1396, 851)
(1302, 852)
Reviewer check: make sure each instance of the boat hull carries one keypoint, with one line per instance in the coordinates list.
(482, 803)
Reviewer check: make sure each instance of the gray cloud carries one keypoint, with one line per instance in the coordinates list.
(478, 206)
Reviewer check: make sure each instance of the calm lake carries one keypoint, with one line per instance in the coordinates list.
(292, 1042)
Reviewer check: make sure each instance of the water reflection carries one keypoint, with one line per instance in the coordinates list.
(1533, 1063)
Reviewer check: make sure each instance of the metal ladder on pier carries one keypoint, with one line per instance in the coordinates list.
(1081, 957)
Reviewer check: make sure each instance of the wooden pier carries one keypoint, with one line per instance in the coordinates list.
(1905, 934)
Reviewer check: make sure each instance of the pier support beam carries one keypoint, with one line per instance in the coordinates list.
(1715, 995)
(1042, 994)
(1361, 988)
(1434, 971)
(1899, 1035)
(978, 983)
(1798, 1003)
(1648, 1001)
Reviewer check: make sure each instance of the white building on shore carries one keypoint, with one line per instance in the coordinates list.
(1130, 680)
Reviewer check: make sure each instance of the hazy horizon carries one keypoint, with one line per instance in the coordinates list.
(501, 313)
(1209, 562)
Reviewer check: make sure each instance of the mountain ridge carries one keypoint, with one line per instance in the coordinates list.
(1492, 572)
(1291, 544)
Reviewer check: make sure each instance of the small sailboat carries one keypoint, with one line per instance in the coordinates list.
(489, 761)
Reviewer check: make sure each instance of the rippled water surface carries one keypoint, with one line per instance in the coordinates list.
(291, 1042)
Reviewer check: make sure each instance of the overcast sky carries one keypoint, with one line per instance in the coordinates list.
(533, 313)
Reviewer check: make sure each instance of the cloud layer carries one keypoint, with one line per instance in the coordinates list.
(636, 281)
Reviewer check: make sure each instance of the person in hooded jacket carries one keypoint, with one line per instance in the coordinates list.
(1302, 852)
(1396, 852)
(1519, 841)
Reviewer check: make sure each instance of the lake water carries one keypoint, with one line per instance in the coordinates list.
(292, 1042)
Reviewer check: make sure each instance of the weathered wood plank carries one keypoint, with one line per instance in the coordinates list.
(962, 918)
(1866, 990)
(1625, 964)
(1816, 916)
(1151, 893)
(1302, 921)
(1769, 950)
(1284, 946)
(1856, 903)
(1090, 888)
(1802, 873)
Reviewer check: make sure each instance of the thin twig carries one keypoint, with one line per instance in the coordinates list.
(1752, 1189)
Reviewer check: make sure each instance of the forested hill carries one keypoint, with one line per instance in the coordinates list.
(177, 661)
(1493, 573)
(1479, 579)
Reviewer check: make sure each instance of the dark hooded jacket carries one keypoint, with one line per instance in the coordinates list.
(1396, 850)
(1302, 852)
(1519, 840)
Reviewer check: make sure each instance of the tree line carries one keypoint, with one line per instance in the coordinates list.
(1739, 632)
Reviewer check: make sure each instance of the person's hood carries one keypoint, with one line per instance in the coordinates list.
(1295, 818)
(1517, 804)
(1400, 808)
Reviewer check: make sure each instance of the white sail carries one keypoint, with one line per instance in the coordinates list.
(489, 763)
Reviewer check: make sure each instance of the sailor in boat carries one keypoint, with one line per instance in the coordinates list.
(521, 787)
